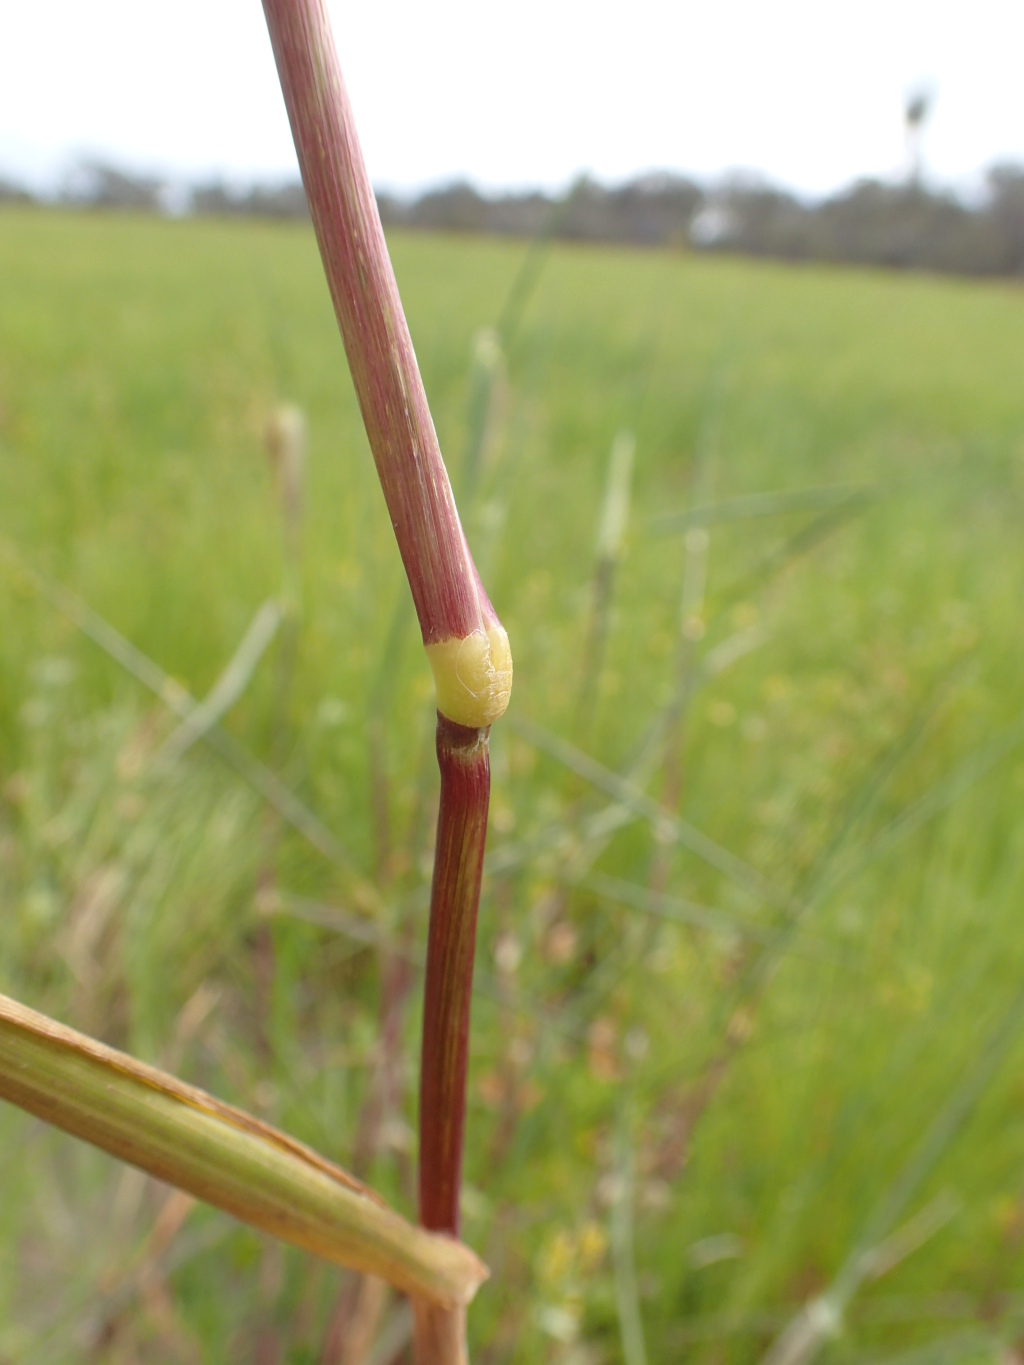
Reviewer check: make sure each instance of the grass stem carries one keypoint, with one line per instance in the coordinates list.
(462, 756)
(466, 645)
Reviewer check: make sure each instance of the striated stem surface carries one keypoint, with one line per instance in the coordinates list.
(449, 599)
(464, 761)
(466, 644)
(439, 1334)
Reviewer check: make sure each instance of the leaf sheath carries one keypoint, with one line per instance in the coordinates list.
(221, 1155)
(450, 602)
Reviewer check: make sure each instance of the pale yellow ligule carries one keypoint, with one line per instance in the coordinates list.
(472, 676)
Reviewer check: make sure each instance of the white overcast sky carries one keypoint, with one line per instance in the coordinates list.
(808, 92)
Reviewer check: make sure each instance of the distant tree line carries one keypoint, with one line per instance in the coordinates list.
(875, 223)
(904, 226)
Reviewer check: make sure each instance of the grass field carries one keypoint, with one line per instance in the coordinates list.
(751, 953)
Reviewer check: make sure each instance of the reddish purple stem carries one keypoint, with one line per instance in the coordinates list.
(450, 602)
(445, 587)
(462, 756)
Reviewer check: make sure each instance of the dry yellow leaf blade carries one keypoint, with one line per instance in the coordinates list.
(222, 1155)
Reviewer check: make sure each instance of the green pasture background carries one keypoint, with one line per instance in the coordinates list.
(678, 1131)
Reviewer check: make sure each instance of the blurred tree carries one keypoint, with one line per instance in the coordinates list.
(916, 111)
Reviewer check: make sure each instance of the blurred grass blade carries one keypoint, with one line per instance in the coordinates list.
(807, 1332)
(528, 275)
(939, 797)
(774, 561)
(666, 825)
(394, 1338)
(943, 1130)
(828, 871)
(862, 799)
(972, 1346)
(679, 911)
(178, 700)
(729, 651)
(610, 550)
(753, 505)
(598, 828)
(228, 687)
(287, 441)
(913, 1234)
(670, 744)
(688, 682)
(611, 532)
(485, 373)
(674, 908)
(822, 877)
(627, 1291)
(220, 1154)
(361, 930)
